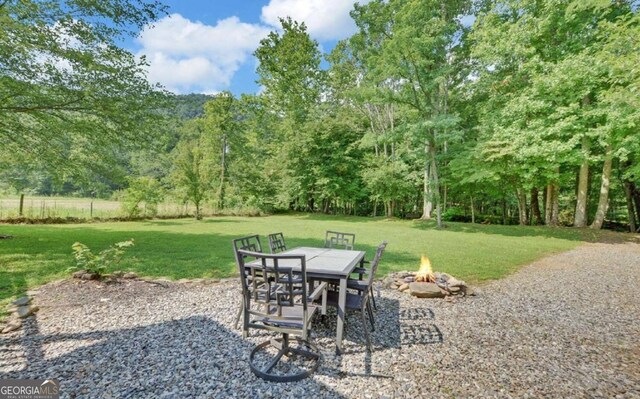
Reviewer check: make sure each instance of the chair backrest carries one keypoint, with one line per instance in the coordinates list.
(276, 243)
(376, 261)
(277, 282)
(335, 239)
(248, 243)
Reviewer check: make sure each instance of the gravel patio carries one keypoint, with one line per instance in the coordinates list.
(565, 326)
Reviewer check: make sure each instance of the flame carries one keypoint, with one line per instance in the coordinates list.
(425, 273)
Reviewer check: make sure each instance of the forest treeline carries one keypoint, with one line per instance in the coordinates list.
(528, 115)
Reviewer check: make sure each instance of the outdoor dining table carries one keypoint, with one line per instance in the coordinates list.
(329, 264)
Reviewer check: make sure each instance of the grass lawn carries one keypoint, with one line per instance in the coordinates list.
(186, 248)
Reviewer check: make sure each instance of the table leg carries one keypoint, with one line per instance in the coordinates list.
(342, 305)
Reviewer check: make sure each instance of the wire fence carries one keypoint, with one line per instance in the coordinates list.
(83, 208)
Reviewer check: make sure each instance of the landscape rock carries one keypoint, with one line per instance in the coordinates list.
(130, 275)
(26, 311)
(12, 326)
(425, 290)
(22, 301)
(78, 274)
(403, 287)
(454, 282)
(90, 276)
(86, 275)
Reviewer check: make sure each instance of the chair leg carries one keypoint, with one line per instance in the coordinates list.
(371, 319)
(366, 330)
(239, 315)
(373, 298)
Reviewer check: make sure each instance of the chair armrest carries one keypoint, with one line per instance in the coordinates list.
(361, 270)
(318, 291)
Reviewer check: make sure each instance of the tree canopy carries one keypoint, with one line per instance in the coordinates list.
(70, 96)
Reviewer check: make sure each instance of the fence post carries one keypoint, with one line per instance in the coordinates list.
(21, 204)
(91, 213)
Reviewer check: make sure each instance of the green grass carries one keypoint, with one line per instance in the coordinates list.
(190, 249)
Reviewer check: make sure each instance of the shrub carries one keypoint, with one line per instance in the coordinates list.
(98, 264)
(455, 214)
(142, 190)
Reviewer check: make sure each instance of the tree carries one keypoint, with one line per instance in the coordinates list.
(290, 73)
(67, 89)
(192, 175)
(221, 129)
(142, 190)
(412, 45)
(289, 70)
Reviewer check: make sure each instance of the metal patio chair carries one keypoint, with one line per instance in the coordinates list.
(335, 239)
(276, 243)
(248, 243)
(271, 282)
(360, 301)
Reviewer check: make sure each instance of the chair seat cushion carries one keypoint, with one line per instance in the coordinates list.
(292, 316)
(354, 301)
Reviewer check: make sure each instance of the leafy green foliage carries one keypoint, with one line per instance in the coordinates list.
(143, 191)
(92, 263)
(67, 91)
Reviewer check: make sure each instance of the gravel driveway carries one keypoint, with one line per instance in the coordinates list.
(565, 326)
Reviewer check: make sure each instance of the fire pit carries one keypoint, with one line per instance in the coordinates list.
(425, 283)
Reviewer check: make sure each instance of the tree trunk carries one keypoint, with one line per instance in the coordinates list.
(630, 210)
(536, 217)
(555, 210)
(504, 211)
(473, 211)
(580, 218)
(548, 207)
(444, 197)
(427, 204)
(223, 168)
(436, 184)
(603, 201)
(522, 207)
(198, 214)
(552, 206)
(635, 193)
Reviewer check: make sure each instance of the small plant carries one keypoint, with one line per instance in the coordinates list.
(98, 264)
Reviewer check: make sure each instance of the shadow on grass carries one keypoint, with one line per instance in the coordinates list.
(565, 233)
(337, 218)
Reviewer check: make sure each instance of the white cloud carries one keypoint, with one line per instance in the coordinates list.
(325, 19)
(187, 56)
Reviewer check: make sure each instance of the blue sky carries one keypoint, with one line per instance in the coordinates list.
(206, 46)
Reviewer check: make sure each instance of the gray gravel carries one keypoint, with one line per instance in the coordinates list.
(565, 326)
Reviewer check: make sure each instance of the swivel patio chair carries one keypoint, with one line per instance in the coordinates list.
(277, 282)
(276, 243)
(335, 239)
(360, 301)
(248, 243)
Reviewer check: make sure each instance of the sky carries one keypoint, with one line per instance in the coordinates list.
(206, 46)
